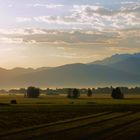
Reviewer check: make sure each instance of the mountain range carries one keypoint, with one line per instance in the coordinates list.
(117, 70)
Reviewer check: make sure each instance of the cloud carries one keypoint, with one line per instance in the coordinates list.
(126, 38)
(127, 2)
(11, 40)
(55, 37)
(74, 56)
(131, 7)
(69, 33)
(93, 16)
(56, 19)
(91, 10)
(50, 6)
(23, 31)
(61, 48)
(60, 37)
(116, 49)
(23, 19)
(124, 17)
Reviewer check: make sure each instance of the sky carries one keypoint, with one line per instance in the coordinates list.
(36, 33)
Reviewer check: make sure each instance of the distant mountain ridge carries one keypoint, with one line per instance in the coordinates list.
(116, 58)
(119, 69)
(124, 62)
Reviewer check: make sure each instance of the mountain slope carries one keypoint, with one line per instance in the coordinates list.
(123, 62)
(116, 59)
(118, 70)
(79, 75)
(131, 65)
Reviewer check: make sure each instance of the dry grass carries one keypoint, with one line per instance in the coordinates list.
(29, 112)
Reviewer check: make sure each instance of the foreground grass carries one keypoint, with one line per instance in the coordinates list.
(103, 126)
(46, 109)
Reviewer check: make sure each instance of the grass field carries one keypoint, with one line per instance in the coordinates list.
(62, 99)
(47, 109)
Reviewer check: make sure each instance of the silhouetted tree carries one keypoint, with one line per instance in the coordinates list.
(117, 94)
(76, 93)
(89, 92)
(33, 92)
(70, 94)
(73, 93)
(22, 90)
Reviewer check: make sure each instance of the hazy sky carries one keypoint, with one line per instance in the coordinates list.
(36, 33)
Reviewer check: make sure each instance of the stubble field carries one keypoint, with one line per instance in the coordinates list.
(115, 117)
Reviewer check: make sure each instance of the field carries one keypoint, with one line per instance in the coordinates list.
(42, 118)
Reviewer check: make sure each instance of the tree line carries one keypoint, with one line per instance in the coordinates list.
(33, 92)
(104, 90)
(74, 93)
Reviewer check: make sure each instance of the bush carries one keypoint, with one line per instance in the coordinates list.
(89, 92)
(117, 94)
(33, 92)
(13, 102)
(76, 93)
(73, 93)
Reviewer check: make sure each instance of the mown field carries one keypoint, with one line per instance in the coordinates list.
(48, 109)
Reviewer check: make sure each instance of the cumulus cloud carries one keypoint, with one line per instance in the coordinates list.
(125, 17)
(94, 16)
(90, 10)
(131, 7)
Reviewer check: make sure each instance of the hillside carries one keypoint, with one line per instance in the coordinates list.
(121, 69)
